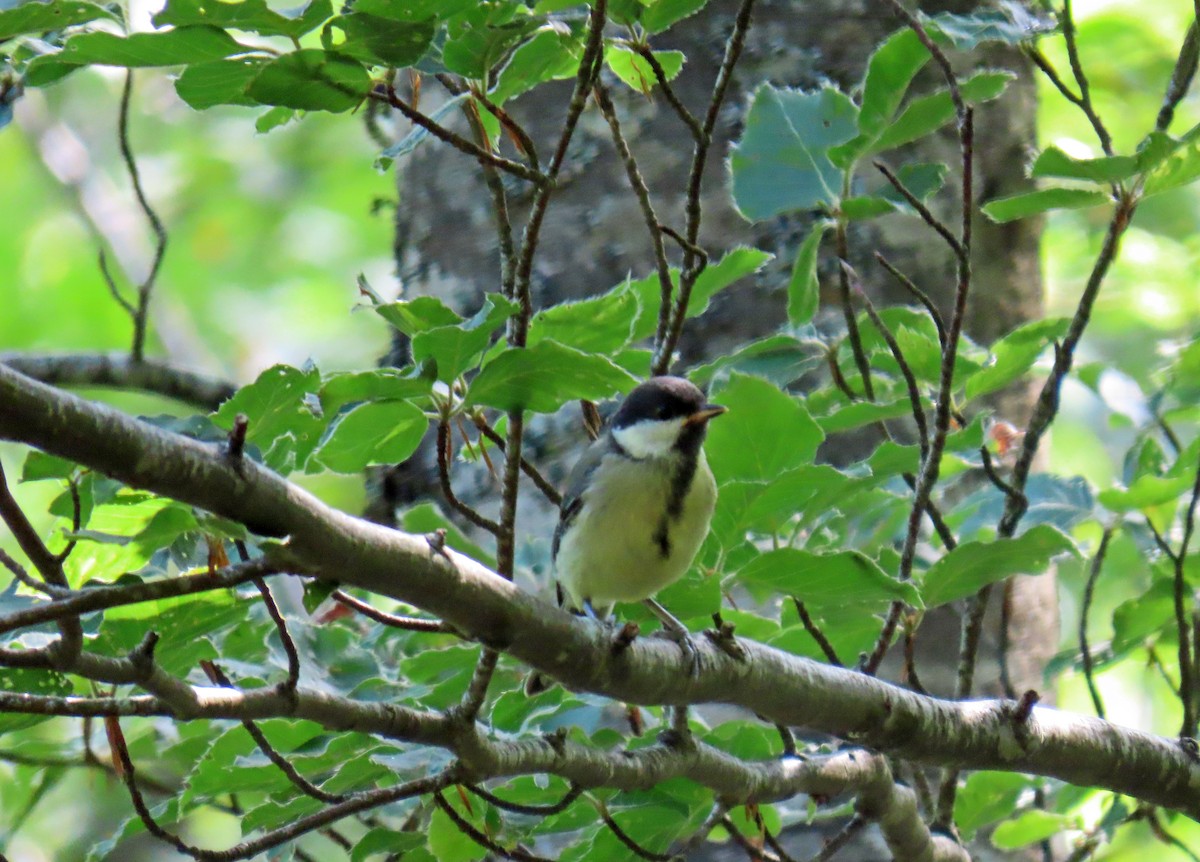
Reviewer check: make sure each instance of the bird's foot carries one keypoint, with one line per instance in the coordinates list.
(674, 630)
(681, 637)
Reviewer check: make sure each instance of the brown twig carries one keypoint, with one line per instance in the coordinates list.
(460, 143)
(660, 75)
(146, 288)
(480, 838)
(693, 265)
(412, 624)
(532, 810)
(845, 835)
(218, 677)
(1088, 592)
(920, 295)
(1067, 19)
(930, 219)
(856, 346)
(642, 193)
(543, 484)
(816, 634)
(1181, 77)
(910, 380)
(443, 461)
(624, 837)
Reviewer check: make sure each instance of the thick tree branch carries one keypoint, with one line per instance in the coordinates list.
(781, 687)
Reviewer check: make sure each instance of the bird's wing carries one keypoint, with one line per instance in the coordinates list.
(577, 482)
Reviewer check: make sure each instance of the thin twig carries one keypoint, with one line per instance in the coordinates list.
(532, 810)
(589, 70)
(773, 842)
(1085, 94)
(412, 624)
(472, 701)
(642, 193)
(693, 264)
(660, 75)
(543, 484)
(753, 851)
(443, 461)
(624, 837)
(1088, 592)
(845, 835)
(930, 219)
(305, 786)
(1187, 694)
(856, 346)
(1181, 77)
(481, 839)
(989, 468)
(816, 634)
(146, 288)
(495, 185)
(460, 143)
(507, 537)
(920, 295)
(910, 380)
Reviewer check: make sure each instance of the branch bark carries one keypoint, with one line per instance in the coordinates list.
(986, 734)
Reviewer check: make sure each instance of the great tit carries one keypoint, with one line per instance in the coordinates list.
(637, 505)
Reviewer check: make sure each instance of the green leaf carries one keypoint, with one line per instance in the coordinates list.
(382, 384)
(273, 119)
(382, 840)
(1146, 492)
(889, 72)
(927, 114)
(1032, 203)
(280, 407)
(862, 413)
(733, 267)
(544, 377)
(379, 41)
(482, 38)
(46, 683)
(252, 15)
(454, 348)
(1014, 354)
(311, 80)
(767, 506)
(987, 797)
(549, 56)
(1181, 168)
(661, 14)
(413, 316)
(826, 580)
(36, 17)
(1053, 162)
(782, 162)
(377, 432)
(1010, 25)
(778, 358)
(221, 82)
(636, 73)
(973, 565)
(414, 138)
(178, 47)
(603, 324)
(1031, 827)
(415, 10)
(38, 465)
(765, 432)
(804, 289)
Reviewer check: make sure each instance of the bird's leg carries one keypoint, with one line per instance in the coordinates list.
(676, 631)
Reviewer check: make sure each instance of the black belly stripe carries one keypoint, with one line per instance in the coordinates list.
(662, 538)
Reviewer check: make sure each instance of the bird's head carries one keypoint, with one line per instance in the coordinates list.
(663, 417)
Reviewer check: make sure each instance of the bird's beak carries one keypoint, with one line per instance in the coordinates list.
(708, 411)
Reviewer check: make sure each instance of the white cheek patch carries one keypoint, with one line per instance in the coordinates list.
(649, 439)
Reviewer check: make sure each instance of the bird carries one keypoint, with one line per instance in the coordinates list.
(637, 506)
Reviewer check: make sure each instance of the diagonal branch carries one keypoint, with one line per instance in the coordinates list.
(783, 688)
